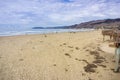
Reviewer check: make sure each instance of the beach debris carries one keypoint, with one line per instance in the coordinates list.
(68, 55)
(90, 68)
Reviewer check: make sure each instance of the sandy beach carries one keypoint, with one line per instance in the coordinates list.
(58, 56)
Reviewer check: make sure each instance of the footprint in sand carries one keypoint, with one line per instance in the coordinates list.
(82, 60)
(90, 79)
(54, 65)
(100, 57)
(68, 55)
(77, 59)
(60, 45)
(64, 44)
(77, 48)
(41, 41)
(45, 35)
(83, 74)
(29, 42)
(21, 59)
(70, 46)
(94, 53)
(113, 61)
(66, 70)
(71, 50)
(21, 49)
(87, 50)
(33, 47)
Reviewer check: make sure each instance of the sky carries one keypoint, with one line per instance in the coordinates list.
(51, 13)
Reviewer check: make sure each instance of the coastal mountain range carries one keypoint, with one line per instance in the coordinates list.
(95, 24)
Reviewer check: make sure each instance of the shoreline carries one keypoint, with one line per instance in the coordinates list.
(17, 33)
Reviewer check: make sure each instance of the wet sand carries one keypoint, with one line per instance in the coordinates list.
(58, 56)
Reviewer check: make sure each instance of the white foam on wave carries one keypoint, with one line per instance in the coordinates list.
(41, 31)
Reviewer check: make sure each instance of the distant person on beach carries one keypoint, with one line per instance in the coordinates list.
(117, 57)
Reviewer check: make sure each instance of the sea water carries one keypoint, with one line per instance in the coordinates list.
(37, 31)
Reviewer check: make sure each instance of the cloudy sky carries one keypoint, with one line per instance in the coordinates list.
(49, 13)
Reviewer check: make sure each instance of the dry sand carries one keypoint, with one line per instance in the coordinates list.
(59, 56)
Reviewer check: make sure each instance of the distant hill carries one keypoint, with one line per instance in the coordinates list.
(96, 24)
(106, 23)
(38, 28)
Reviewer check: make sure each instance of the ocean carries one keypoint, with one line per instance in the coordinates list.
(38, 31)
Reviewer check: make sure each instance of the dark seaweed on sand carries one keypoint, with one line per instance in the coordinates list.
(98, 61)
(90, 68)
